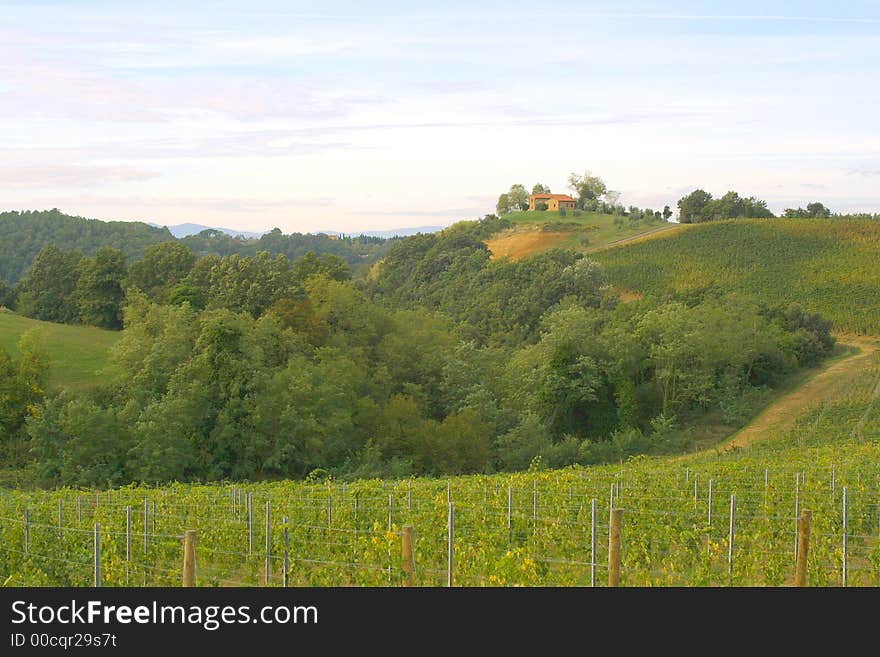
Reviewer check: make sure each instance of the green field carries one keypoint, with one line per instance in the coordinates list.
(534, 232)
(76, 353)
(829, 266)
(532, 528)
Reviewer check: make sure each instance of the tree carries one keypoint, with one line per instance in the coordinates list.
(818, 210)
(100, 290)
(47, 290)
(7, 295)
(311, 264)
(540, 189)
(691, 207)
(22, 387)
(161, 269)
(518, 197)
(667, 213)
(587, 187)
(503, 205)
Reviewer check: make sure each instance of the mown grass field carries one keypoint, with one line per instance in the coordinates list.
(76, 353)
(536, 232)
(829, 266)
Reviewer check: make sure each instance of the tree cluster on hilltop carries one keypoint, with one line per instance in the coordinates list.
(590, 193)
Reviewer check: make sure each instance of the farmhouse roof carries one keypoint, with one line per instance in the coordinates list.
(559, 197)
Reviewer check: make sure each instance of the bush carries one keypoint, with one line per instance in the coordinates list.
(563, 212)
(541, 207)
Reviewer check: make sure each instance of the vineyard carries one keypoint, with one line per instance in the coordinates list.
(829, 266)
(720, 518)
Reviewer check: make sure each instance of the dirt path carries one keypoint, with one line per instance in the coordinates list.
(784, 412)
(641, 237)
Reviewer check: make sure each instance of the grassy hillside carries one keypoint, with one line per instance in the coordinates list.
(829, 266)
(536, 232)
(76, 353)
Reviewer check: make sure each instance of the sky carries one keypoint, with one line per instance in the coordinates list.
(366, 116)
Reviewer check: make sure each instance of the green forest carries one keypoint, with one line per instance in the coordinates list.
(24, 234)
(438, 360)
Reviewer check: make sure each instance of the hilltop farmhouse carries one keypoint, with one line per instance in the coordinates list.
(552, 201)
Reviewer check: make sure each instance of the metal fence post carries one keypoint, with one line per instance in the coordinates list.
(250, 512)
(731, 535)
(97, 554)
(285, 575)
(797, 510)
(268, 543)
(845, 565)
(450, 555)
(593, 558)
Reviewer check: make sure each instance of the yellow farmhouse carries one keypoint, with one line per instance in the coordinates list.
(553, 201)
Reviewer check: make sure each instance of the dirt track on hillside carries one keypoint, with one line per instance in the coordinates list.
(783, 413)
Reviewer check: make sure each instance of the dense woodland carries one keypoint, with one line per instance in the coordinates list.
(438, 360)
(24, 234)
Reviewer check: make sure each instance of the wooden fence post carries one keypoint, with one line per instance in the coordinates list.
(800, 575)
(189, 558)
(614, 548)
(409, 560)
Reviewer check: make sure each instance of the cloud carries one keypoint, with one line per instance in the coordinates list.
(52, 176)
(231, 203)
(268, 143)
(450, 212)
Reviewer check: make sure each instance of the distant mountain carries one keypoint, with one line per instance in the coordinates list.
(395, 232)
(185, 230)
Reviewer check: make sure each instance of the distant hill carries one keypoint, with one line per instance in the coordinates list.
(185, 230)
(394, 232)
(24, 234)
